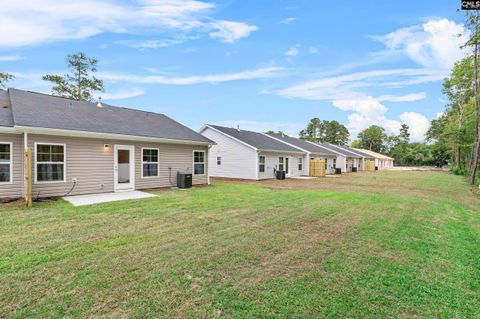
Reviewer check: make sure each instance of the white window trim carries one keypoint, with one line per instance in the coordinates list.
(260, 163)
(204, 163)
(64, 163)
(11, 164)
(158, 162)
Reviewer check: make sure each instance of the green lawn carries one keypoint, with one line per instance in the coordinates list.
(385, 244)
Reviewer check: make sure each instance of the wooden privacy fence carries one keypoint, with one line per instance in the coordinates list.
(28, 176)
(317, 168)
(370, 165)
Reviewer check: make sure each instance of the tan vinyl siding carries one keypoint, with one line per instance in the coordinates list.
(178, 157)
(14, 190)
(92, 165)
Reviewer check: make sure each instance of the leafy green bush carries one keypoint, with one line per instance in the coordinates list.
(458, 170)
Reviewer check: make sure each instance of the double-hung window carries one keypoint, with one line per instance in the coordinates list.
(198, 162)
(300, 163)
(50, 162)
(261, 164)
(281, 165)
(219, 160)
(334, 163)
(150, 162)
(5, 163)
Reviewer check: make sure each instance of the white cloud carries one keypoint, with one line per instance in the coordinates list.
(439, 115)
(10, 58)
(123, 94)
(30, 22)
(288, 20)
(291, 129)
(345, 93)
(266, 72)
(348, 86)
(150, 44)
(418, 125)
(312, 50)
(370, 111)
(230, 31)
(411, 97)
(292, 52)
(434, 44)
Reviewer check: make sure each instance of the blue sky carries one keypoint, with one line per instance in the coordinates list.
(258, 64)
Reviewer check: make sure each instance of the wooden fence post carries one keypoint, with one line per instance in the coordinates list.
(28, 177)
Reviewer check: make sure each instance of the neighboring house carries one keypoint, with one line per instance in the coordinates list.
(381, 161)
(251, 155)
(347, 158)
(362, 161)
(314, 151)
(83, 148)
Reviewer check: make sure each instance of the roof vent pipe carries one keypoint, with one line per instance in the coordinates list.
(238, 128)
(99, 104)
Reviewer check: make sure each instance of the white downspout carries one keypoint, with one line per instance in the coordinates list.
(256, 165)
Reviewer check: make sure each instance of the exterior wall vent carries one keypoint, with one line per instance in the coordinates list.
(6, 104)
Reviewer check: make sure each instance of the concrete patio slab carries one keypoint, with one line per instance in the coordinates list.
(82, 200)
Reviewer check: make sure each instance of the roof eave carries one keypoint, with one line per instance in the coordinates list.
(87, 134)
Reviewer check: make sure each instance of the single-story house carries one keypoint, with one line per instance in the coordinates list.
(84, 148)
(251, 155)
(366, 158)
(314, 151)
(347, 159)
(381, 161)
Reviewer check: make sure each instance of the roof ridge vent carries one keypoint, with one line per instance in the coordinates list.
(7, 104)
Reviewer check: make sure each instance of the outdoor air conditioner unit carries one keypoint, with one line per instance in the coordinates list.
(184, 180)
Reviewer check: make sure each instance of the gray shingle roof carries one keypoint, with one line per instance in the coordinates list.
(310, 147)
(369, 156)
(46, 111)
(342, 150)
(257, 140)
(6, 117)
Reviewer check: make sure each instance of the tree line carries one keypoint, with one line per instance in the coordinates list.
(457, 130)
(374, 138)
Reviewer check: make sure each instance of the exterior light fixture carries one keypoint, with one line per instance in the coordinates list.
(106, 147)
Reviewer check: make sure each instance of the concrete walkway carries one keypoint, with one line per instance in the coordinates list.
(82, 200)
